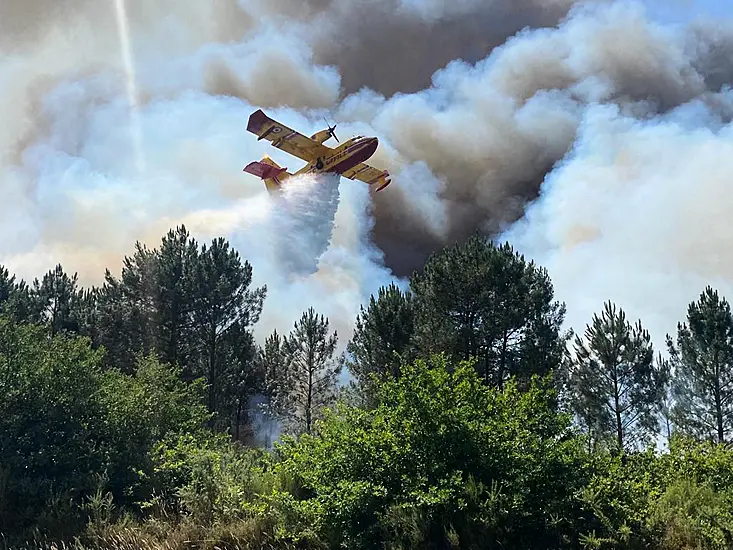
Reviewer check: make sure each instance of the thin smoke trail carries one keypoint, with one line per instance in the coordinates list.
(131, 82)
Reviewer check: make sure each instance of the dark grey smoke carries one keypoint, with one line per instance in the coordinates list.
(495, 129)
(391, 49)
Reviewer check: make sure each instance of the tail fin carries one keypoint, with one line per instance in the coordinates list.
(269, 171)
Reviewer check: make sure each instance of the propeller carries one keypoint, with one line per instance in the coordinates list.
(331, 130)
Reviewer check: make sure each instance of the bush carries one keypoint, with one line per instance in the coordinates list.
(443, 459)
(52, 421)
(693, 516)
(73, 434)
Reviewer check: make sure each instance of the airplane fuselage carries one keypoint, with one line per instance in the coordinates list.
(343, 157)
(347, 160)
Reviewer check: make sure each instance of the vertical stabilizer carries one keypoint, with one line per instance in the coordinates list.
(269, 171)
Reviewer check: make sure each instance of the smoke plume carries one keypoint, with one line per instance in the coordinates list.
(70, 189)
(591, 135)
(493, 130)
(639, 214)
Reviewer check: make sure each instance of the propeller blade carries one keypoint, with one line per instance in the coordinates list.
(331, 129)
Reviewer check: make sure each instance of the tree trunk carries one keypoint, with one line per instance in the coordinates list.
(212, 371)
(502, 361)
(719, 411)
(619, 425)
(309, 403)
(238, 419)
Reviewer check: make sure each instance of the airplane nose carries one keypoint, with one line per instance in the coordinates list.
(371, 146)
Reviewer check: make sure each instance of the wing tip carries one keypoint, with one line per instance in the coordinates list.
(256, 120)
(383, 186)
(384, 176)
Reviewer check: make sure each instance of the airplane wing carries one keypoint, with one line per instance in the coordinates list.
(369, 175)
(285, 138)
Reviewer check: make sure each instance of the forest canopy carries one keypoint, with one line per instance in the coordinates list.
(144, 412)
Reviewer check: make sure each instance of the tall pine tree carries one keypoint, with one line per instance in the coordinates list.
(312, 370)
(56, 300)
(703, 369)
(15, 298)
(240, 379)
(222, 305)
(7, 286)
(616, 386)
(126, 311)
(277, 403)
(174, 269)
(383, 337)
(487, 302)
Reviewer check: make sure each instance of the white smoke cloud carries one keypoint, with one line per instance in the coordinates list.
(78, 199)
(468, 152)
(638, 213)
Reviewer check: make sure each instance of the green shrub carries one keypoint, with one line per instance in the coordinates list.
(446, 456)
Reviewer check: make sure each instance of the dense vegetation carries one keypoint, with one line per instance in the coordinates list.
(144, 413)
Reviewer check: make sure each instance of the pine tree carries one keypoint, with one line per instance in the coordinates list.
(483, 301)
(7, 286)
(382, 338)
(15, 299)
(87, 313)
(220, 299)
(172, 292)
(616, 385)
(277, 404)
(313, 372)
(121, 327)
(240, 378)
(56, 300)
(703, 365)
(126, 311)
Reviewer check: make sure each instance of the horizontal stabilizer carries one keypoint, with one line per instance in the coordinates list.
(263, 170)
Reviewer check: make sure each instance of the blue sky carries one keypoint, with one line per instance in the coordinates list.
(677, 11)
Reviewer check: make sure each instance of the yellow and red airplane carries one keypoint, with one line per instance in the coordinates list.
(346, 160)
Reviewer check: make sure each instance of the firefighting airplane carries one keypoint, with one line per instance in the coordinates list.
(347, 159)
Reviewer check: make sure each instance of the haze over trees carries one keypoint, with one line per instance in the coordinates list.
(144, 413)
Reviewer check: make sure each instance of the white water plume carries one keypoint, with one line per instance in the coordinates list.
(303, 221)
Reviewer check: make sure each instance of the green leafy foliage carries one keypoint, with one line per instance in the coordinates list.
(149, 407)
(473, 463)
(689, 515)
(130, 412)
(66, 424)
(52, 425)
